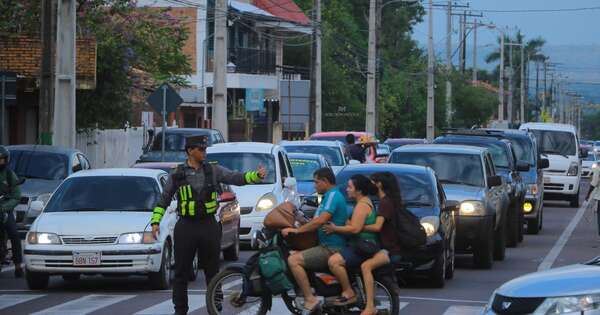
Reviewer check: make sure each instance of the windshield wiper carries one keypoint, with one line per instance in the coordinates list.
(84, 209)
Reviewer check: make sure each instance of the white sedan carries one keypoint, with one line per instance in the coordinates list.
(98, 222)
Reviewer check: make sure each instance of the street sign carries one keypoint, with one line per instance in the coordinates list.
(172, 99)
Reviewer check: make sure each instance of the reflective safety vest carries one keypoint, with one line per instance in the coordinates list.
(192, 203)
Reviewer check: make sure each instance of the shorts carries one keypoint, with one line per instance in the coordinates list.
(316, 258)
(352, 259)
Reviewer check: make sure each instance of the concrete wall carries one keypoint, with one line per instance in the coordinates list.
(112, 148)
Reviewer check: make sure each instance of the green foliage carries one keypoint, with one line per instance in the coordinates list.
(590, 129)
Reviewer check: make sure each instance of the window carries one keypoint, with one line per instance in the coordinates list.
(84, 162)
(282, 166)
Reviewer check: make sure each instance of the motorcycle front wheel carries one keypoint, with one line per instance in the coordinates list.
(223, 292)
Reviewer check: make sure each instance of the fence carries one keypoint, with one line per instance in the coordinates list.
(112, 148)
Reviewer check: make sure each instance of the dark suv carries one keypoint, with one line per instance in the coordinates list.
(525, 147)
(506, 165)
(175, 144)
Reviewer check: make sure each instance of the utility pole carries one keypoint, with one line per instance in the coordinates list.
(509, 109)
(317, 64)
(371, 65)
(461, 38)
(430, 81)
(46, 109)
(537, 87)
(449, 64)
(545, 87)
(463, 43)
(501, 81)
(64, 114)
(475, 51)
(220, 69)
(522, 88)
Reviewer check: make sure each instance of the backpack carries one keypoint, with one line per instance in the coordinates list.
(409, 231)
(273, 268)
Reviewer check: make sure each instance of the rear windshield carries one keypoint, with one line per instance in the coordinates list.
(40, 165)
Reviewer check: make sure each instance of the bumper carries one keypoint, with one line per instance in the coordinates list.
(470, 230)
(561, 185)
(249, 224)
(423, 259)
(489, 311)
(536, 202)
(115, 259)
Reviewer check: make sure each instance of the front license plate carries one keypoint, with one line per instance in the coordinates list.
(547, 180)
(87, 258)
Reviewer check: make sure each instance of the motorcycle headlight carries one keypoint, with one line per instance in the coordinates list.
(430, 224)
(137, 238)
(569, 304)
(573, 169)
(36, 238)
(471, 208)
(266, 202)
(532, 189)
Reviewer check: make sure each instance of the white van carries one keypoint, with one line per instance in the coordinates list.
(560, 145)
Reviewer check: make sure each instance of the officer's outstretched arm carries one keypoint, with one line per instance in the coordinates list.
(230, 177)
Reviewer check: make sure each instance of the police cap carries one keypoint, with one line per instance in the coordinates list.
(196, 141)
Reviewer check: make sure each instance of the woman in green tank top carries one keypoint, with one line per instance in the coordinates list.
(359, 188)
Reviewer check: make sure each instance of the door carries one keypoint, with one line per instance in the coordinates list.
(494, 194)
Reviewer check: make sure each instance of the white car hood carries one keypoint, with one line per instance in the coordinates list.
(92, 223)
(565, 281)
(560, 163)
(248, 195)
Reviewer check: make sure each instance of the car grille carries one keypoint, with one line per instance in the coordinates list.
(514, 306)
(72, 240)
(553, 186)
(245, 210)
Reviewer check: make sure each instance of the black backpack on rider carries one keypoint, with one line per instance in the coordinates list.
(409, 231)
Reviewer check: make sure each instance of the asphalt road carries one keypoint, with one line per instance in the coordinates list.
(466, 294)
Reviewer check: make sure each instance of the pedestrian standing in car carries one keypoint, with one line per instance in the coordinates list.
(10, 195)
(195, 183)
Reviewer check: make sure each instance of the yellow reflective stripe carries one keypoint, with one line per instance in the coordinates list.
(183, 208)
(189, 189)
(181, 195)
(192, 208)
(214, 195)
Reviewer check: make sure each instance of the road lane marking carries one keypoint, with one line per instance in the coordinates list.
(562, 240)
(441, 300)
(84, 305)
(403, 305)
(195, 301)
(463, 310)
(9, 300)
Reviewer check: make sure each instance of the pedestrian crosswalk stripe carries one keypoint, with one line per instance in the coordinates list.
(278, 307)
(84, 305)
(403, 305)
(8, 300)
(195, 301)
(463, 310)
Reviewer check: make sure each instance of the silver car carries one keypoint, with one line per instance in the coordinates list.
(569, 290)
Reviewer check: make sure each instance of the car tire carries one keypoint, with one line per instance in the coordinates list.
(37, 280)
(574, 201)
(195, 269)
(500, 241)
(437, 275)
(163, 279)
(232, 253)
(512, 227)
(71, 277)
(533, 225)
(483, 253)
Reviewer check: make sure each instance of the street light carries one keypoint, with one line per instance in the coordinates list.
(501, 80)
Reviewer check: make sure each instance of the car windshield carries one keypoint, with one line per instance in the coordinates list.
(173, 141)
(555, 142)
(98, 193)
(523, 148)
(38, 164)
(244, 162)
(416, 188)
(304, 168)
(466, 168)
(332, 154)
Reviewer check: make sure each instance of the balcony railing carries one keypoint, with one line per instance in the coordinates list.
(247, 60)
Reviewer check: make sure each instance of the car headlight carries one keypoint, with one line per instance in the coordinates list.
(569, 304)
(532, 189)
(527, 207)
(36, 238)
(595, 165)
(137, 238)
(430, 224)
(266, 202)
(573, 169)
(471, 208)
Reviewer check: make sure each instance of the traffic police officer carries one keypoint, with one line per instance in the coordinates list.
(11, 197)
(195, 183)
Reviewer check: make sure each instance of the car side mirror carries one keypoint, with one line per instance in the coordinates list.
(77, 168)
(289, 183)
(583, 154)
(522, 166)
(227, 196)
(451, 205)
(494, 181)
(37, 206)
(543, 163)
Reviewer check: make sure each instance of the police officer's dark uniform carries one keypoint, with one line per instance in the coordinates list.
(197, 228)
(11, 197)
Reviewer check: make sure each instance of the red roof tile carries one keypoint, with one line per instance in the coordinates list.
(285, 9)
